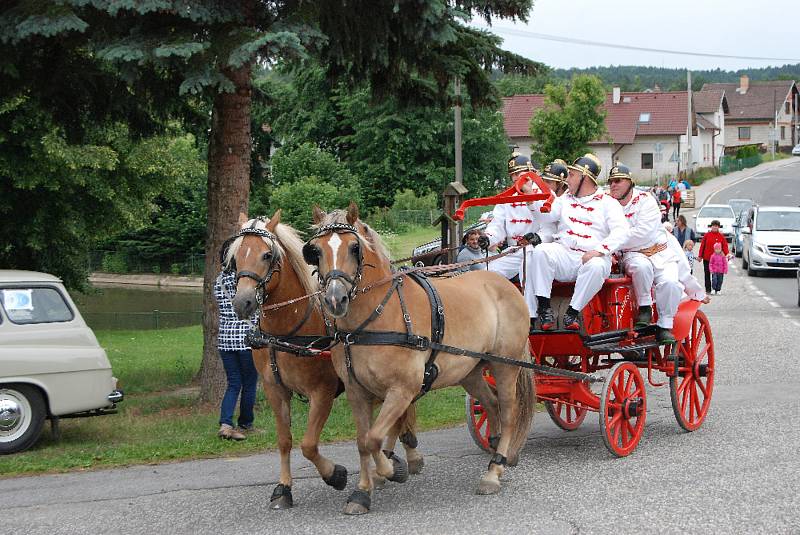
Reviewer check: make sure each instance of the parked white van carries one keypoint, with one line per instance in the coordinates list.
(51, 365)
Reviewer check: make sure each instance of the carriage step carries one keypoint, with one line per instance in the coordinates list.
(636, 351)
(613, 337)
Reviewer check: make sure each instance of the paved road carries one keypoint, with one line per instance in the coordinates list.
(740, 473)
(778, 186)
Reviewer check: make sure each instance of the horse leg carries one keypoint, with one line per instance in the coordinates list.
(387, 464)
(359, 501)
(319, 408)
(406, 429)
(505, 377)
(478, 388)
(280, 400)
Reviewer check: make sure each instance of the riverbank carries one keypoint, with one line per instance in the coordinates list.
(145, 279)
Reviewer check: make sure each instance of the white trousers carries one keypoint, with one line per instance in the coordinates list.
(668, 289)
(553, 261)
(509, 265)
(694, 290)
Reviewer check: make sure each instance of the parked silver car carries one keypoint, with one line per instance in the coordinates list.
(771, 239)
(51, 365)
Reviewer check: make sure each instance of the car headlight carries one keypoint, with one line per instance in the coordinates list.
(760, 248)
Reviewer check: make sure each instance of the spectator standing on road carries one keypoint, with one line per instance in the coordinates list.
(719, 267)
(237, 359)
(682, 232)
(711, 237)
(688, 248)
(676, 203)
(471, 251)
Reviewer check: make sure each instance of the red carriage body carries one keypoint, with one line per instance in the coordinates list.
(608, 341)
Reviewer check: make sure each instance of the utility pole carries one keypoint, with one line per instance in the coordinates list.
(689, 123)
(455, 191)
(774, 124)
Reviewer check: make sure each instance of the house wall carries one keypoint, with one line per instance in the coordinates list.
(785, 120)
(702, 155)
(631, 155)
(759, 133)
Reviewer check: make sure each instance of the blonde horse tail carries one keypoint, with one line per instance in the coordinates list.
(526, 402)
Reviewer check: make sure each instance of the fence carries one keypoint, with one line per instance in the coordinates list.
(125, 262)
(728, 164)
(137, 321)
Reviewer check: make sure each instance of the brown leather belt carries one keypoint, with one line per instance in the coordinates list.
(653, 249)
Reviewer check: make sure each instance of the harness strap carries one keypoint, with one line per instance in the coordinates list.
(437, 330)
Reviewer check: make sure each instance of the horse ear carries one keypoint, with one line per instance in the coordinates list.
(352, 213)
(242, 219)
(317, 214)
(274, 220)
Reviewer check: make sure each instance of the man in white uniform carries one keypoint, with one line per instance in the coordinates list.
(590, 227)
(647, 256)
(510, 224)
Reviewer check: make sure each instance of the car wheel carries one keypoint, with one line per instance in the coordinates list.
(744, 262)
(22, 415)
(439, 260)
(751, 272)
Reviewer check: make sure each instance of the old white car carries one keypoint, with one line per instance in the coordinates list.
(51, 365)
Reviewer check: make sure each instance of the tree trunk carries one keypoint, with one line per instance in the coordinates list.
(229, 150)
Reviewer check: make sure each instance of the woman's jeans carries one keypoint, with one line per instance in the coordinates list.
(707, 275)
(242, 378)
(716, 281)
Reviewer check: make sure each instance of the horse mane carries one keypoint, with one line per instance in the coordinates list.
(288, 245)
(374, 241)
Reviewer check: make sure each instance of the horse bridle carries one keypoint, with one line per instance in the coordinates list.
(311, 256)
(274, 265)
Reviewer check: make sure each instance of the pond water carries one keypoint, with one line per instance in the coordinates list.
(140, 307)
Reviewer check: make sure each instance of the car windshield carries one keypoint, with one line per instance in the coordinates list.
(738, 206)
(716, 211)
(787, 221)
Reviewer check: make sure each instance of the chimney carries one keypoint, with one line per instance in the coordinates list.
(615, 95)
(744, 84)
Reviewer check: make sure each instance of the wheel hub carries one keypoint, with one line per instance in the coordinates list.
(632, 407)
(10, 415)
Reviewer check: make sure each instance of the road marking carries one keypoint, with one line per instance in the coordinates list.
(788, 195)
(773, 304)
(708, 199)
(796, 323)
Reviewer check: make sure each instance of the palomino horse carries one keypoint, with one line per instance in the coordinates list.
(268, 257)
(387, 332)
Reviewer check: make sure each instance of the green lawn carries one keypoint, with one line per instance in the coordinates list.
(401, 245)
(161, 418)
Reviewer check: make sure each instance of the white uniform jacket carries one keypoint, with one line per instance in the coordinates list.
(644, 216)
(591, 223)
(510, 222)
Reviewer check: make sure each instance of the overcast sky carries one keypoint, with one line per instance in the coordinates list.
(766, 28)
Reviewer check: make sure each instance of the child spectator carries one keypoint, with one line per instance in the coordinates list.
(719, 267)
(711, 238)
(688, 249)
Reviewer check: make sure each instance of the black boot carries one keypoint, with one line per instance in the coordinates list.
(664, 336)
(533, 326)
(547, 320)
(572, 319)
(645, 316)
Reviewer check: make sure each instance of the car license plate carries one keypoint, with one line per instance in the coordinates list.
(785, 260)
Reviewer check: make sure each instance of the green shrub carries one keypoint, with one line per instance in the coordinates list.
(747, 152)
(297, 199)
(114, 262)
(176, 269)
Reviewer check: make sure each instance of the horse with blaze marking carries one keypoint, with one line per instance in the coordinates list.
(270, 269)
(484, 314)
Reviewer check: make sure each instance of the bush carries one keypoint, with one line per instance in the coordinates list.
(747, 152)
(297, 199)
(114, 262)
(408, 200)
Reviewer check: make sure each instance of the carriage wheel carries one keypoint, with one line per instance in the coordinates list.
(691, 389)
(478, 423)
(567, 417)
(623, 409)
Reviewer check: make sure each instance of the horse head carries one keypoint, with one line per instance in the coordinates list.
(342, 246)
(256, 256)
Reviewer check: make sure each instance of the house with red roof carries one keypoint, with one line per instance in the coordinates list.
(754, 107)
(645, 130)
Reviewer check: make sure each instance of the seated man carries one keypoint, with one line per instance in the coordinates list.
(510, 224)
(647, 255)
(590, 227)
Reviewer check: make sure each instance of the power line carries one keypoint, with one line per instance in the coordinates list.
(570, 40)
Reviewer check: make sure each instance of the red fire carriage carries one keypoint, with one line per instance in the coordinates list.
(602, 367)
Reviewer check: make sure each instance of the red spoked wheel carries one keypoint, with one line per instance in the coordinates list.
(623, 409)
(567, 417)
(691, 389)
(478, 424)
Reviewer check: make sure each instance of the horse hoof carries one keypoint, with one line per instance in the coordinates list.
(358, 503)
(415, 465)
(513, 460)
(378, 482)
(400, 467)
(338, 479)
(488, 487)
(281, 497)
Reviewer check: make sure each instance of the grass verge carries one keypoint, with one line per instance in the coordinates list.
(162, 420)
